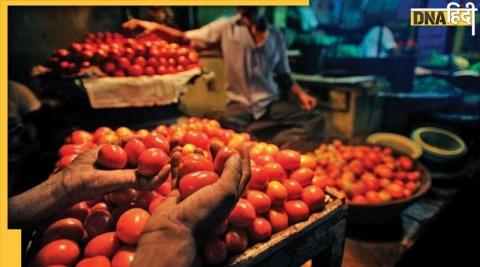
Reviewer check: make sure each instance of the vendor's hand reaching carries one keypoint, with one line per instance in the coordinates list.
(82, 180)
(174, 229)
(140, 25)
(307, 101)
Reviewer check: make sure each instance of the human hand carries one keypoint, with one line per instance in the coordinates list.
(307, 101)
(142, 25)
(175, 227)
(82, 180)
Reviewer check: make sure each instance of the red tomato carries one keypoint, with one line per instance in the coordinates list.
(123, 196)
(135, 70)
(372, 197)
(413, 176)
(303, 176)
(98, 222)
(110, 138)
(146, 198)
(222, 156)
(72, 149)
(243, 214)
(259, 200)
(359, 199)
(124, 257)
(263, 160)
(396, 191)
(130, 225)
(155, 203)
(260, 230)
(105, 244)
(384, 196)
(199, 139)
(259, 179)
(81, 137)
(64, 161)
(112, 157)
(405, 163)
(308, 161)
(98, 261)
(194, 181)
(289, 159)
(274, 171)
(320, 181)
(383, 171)
(79, 211)
(297, 210)
(118, 211)
(194, 162)
(151, 161)
(294, 189)
(165, 188)
(277, 193)
(158, 141)
(67, 228)
(133, 149)
(221, 228)
(278, 218)
(62, 251)
(215, 251)
(314, 197)
(236, 240)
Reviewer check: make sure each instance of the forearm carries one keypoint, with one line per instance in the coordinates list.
(296, 89)
(165, 249)
(37, 203)
(172, 33)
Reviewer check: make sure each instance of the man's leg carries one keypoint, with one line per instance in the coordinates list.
(236, 117)
(303, 126)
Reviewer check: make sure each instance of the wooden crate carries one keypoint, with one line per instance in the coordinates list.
(320, 238)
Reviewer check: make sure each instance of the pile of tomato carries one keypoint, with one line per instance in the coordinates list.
(105, 230)
(366, 174)
(118, 56)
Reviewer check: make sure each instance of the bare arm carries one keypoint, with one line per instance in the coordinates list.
(78, 181)
(166, 32)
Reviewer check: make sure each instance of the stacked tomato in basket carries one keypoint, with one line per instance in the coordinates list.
(118, 56)
(366, 174)
(104, 231)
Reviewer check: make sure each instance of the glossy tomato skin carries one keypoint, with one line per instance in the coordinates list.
(146, 198)
(124, 257)
(97, 261)
(79, 211)
(259, 178)
(81, 137)
(294, 189)
(215, 251)
(243, 214)
(69, 149)
(236, 240)
(297, 210)
(62, 251)
(259, 200)
(194, 181)
(303, 176)
(98, 221)
(134, 148)
(105, 244)
(274, 171)
(314, 197)
(221, 158)
(67, 228)
(130, 225)
(194, 162)
(278, 218)
(308, 161)
(155, 203)
(277, 193)
(260, 230)
(157, 141)
(65, 161)
(165, 188)
(112, 157)
(197, 138)
(151, 161)
(123, 196)
(289, 159)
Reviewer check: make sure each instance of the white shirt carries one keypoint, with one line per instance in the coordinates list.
(369, 45)
(249, 67)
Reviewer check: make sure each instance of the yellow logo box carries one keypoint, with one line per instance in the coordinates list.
(431, 17)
